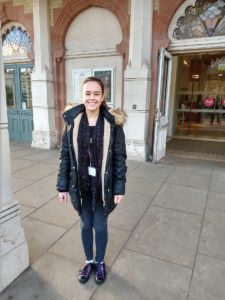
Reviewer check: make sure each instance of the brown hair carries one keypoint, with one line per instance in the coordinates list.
(100, 82)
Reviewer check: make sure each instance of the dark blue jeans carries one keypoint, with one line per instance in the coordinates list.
(94, 218)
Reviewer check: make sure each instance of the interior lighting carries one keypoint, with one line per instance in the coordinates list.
(186, 63)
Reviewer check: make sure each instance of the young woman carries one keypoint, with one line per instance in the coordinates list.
(93, 170)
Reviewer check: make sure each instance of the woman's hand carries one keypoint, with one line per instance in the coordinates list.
(63, 196)
(118, 198)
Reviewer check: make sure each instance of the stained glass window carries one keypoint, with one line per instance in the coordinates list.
(16, 41)
(205, 19)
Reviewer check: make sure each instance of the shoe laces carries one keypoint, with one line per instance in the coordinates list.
(86, 269)
(100, 269)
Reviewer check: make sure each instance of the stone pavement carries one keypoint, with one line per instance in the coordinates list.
(166, 242)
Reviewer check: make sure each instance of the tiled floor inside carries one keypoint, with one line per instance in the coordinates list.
(213, 150)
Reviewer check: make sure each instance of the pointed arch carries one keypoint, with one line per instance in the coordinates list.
(198, 40)
(58, 33)
(203, 19)
(15, 40)
(72, 9)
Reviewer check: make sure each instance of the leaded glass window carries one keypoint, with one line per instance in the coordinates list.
(16, 42)
(205, 19)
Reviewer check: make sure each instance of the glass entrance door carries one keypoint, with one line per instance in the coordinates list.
(19, 101)
(200, 96)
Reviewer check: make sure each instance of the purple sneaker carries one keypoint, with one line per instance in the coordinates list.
(100, 272)
(85, 272)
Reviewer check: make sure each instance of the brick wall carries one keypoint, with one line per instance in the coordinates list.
(28, 4)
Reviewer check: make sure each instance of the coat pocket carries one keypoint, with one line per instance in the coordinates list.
(75, 197)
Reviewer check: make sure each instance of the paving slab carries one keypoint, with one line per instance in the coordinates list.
(37, 171)
(30, 285)
(20, 183)
(153, 172)
(135, 276)
(181, 198)
(26, 210)
(191, 176)
(154, 234)
(56, 213)
(20, 164)
(218, 180)
(212, 241)
(38, 193)
(23, 152)
(216, 201)
(40, 236)
(44, 156)
(129, 211)
(132, 165)
(70, 245)
(208, 279)
(187, 162)
(50, 278)
(142, 186)
(15, 146)
(167, 234)
(54, 161)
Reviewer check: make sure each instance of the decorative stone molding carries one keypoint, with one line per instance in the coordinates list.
(53, 4)
(179, 13)
(28, 56)
(73, 8)
(96, 53)
(162, 17)
(9, 25)
(15, 14)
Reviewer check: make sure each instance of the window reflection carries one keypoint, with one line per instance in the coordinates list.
(200, 97)
(10, 87)
(16, 42)
(25, 88)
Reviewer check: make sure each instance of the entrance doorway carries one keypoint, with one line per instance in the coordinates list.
(19, 101)
(200, 96)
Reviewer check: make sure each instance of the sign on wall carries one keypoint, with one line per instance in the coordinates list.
(105, 74)
(78, 77)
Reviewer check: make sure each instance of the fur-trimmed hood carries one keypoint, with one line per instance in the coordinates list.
(119, 115)
(72, 110)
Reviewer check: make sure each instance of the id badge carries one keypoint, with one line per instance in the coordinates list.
(91, 171)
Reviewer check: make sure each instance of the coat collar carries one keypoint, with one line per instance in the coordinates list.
(113, 116)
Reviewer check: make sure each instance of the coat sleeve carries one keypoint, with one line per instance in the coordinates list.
(63, 179)
(119, 162)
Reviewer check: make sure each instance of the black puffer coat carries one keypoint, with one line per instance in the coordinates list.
(114, 168)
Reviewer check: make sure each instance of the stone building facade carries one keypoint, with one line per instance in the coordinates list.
(120, 40)
(162, 61)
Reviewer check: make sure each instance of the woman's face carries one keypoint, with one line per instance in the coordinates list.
(92, 96)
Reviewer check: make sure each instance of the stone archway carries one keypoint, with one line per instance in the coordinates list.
(61, 25)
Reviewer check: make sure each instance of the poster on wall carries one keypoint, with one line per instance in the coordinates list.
(78, 77)
(106, 75)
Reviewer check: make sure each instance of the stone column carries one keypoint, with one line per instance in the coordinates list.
(14, 257)
(44, 134)
(137, 79)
